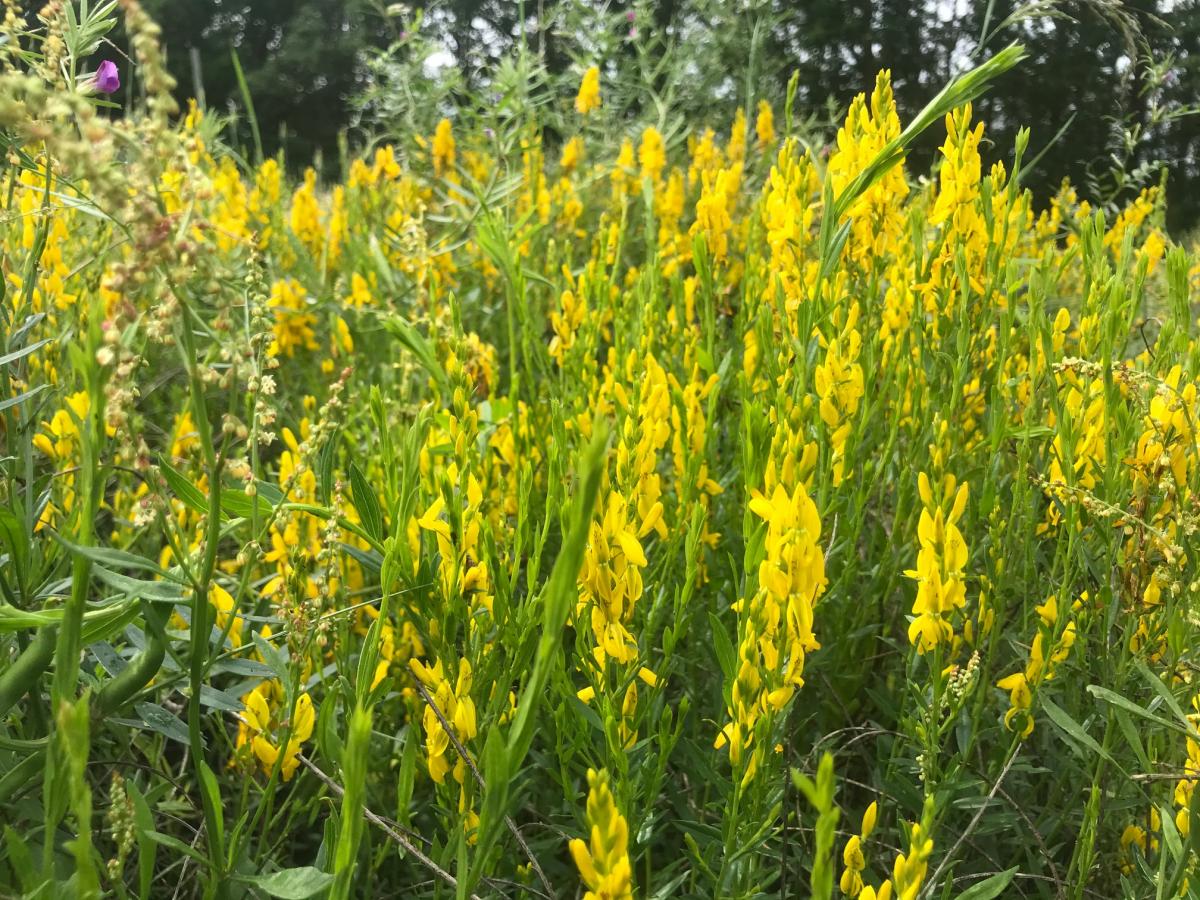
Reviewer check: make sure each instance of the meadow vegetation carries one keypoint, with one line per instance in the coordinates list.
(614, 509)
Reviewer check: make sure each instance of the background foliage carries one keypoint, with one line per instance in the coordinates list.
(311, 65)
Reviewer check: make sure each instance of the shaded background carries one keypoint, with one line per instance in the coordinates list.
(313, 66)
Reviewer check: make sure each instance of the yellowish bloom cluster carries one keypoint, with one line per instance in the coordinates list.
(839, 384)
(876, 215)
(1186, 786)
(941, 559)
(851, 882)
(455, 704)
(264, 722)
(588, 98)
(1041, 666)
(776, 623)
(603, 860)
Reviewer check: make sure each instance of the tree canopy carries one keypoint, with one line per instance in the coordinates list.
(305, 63)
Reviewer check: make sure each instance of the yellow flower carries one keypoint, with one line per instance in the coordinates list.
(443, 148)
(652, 154)
(572, 154)
(940, 562)
(361, 291)
(305, 216)
(588, 97)
(908, 873)
(293, 327)
(603, 861)
(60, 435)
(839, 384)
(1022, 685)
(260, 729)
(851, 882)
(456, 706)
(713, 210)
(764, 125)
(776, 625)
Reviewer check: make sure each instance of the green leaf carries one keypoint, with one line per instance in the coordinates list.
(328, 740)
(19, 859)
(12, 533)
(420, 347)
(177, 845)
(23, 352)
(143, 823)
(407, 777)
(217, 699)
(158, 719)
(236, 502)
(212, 799)
(989, 888)
(325, 469)
(366, 503)
(154, 591)
(251, 668)
(290, 884)
(182, 488)
(271, 656)
(13, 401)
(1165, 692)
(559, 597)
(1074, 730)
(726, 655)
(495, 799)
(112, 558)
(1128, 705)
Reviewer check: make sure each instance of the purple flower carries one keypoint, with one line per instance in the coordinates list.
(106, 80)
(630, 16)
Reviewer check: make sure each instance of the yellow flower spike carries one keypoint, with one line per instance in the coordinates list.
(652, 154)
(305, 215)
(572, 154)
(588, 97)
(764, 125)
(908, 873)
(443, 149)
(603, 861)
(941, 558)
(713, 211)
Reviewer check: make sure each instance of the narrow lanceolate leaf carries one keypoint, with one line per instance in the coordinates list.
(366, 502)
(165, 723)
(991, 887)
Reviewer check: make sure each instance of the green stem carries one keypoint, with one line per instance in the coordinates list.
(27, 668)
(139, 673)
(200, 626)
